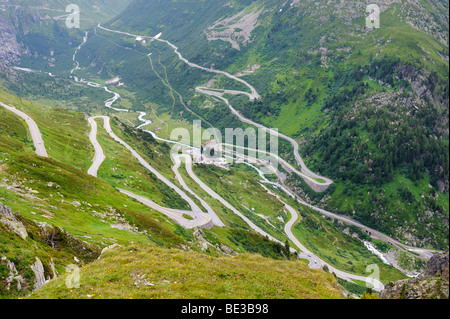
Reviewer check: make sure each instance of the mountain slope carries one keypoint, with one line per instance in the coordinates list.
(58, 200)
(34, 33)
(357, 92)
(139, 272)
(368, 108)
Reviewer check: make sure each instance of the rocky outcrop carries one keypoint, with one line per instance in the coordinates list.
(39, 274)
(438, 266)
(59, 239)
(13, 275)
(237, 30)
(8, 218)
(432, 284)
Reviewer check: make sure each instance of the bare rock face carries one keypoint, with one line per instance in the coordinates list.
(9, 47)
(438, 266)
(432, 284)
(8, 218)
(236, 30)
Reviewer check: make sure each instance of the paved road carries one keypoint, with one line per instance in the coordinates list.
(216, 196)
(314, 261)
(423, 252)
(36, 135)
(198, 219)
(252, 96)
(188, 164)
(99, 156)
(285, 164)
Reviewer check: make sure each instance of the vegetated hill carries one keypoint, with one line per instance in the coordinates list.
(142, 272)
(62, 209)
(368, 106)
(432, 284)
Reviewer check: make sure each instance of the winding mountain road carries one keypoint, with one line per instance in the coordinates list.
(305, 173)
(199, 219)
(188, 164)
(36, 135)
(144, 163)
(314, 261)
(321, 186)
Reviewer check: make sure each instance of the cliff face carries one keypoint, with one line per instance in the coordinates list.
(432, 284)
(9, 47)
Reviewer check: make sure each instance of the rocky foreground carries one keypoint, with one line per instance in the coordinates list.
(432, 284)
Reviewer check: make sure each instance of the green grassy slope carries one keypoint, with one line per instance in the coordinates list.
(142, 272)
(65, 132)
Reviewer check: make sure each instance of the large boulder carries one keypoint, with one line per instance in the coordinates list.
(8, 218)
